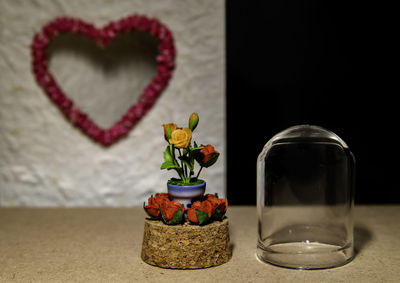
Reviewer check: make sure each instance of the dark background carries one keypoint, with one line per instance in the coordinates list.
(324, 63)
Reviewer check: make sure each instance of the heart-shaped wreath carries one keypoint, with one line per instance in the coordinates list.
(103, 36)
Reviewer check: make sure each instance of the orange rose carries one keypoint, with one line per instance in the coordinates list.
(207, 152)
(204, 206)
(162, 195)
(191, 212)
(170, 208)
(217, 203)
(207, 207)
(210, 197)
(213, 200)
(180, 138)
(223, 205)
(153, 207)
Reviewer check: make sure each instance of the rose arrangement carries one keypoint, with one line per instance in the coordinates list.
(203, 211)
(179, 141)
(181, 156)
(161, 207)
(211, 208)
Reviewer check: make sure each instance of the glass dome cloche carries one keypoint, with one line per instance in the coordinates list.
(305, 199)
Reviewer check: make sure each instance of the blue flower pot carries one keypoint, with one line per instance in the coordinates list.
(185, 194)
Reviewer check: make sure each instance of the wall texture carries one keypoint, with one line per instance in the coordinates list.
(45, 161)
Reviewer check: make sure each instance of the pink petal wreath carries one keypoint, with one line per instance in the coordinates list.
(165, 60)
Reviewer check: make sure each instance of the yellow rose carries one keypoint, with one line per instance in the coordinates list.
(180, 138)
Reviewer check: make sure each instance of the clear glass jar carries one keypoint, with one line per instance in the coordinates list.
(305, 199)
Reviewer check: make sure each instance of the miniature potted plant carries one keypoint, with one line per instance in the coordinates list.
(186, 193)
(186, 228)
(181, 156)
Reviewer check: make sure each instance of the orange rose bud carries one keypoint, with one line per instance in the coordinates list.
(170, 208)
(204, 206)
(193, 121)
(153, 207)
(223, 205)
(168, 129)
(207, 207)
(207, 152)
(217, 203)
(162, 195)
(214, 201)
(191, 212)
(210, 196)
(153, 211)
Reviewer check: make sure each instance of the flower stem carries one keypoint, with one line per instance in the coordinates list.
(180, 172)
(183, 168)
(197, 177)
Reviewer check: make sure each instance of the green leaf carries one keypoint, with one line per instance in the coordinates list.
(169, 165)
(170, 161)
(210, 162)
(177, 219)
(186, 160)
(218, 215)
(202, 217)
(168, 155)
(193, 152)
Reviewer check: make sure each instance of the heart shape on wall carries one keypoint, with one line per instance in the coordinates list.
(103, 36)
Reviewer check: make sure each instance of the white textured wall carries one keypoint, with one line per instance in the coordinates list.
(45, 161)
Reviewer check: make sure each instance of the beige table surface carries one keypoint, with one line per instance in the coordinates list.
(104, 244)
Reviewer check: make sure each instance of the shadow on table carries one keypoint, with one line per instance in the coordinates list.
(362, 235)
(232, 247)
